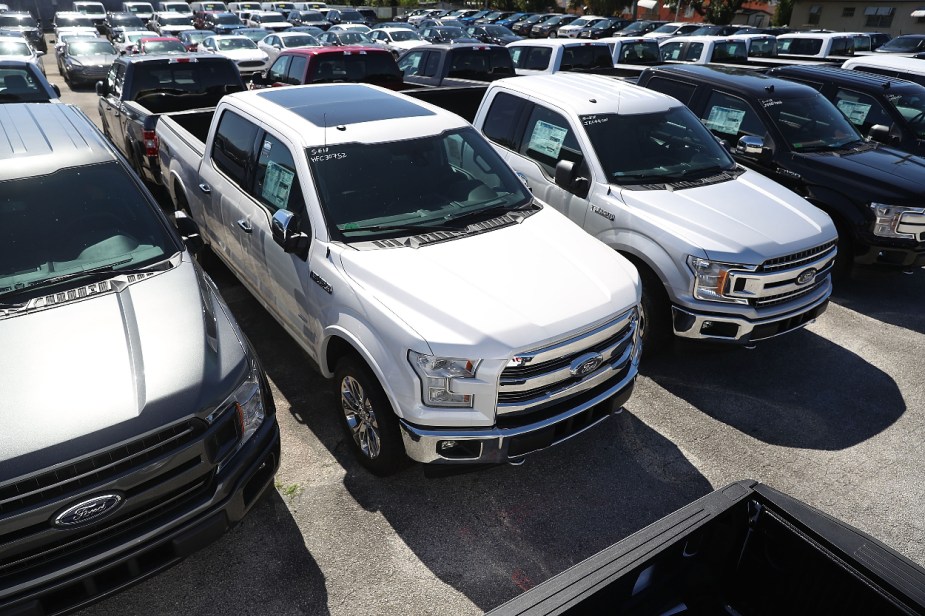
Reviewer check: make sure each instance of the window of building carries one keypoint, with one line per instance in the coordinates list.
(815, 12)
(848, 11)
(879, 16)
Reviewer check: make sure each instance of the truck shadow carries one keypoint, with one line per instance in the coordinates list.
(799, 390)
(494, 532)
(259, 567)
(886, 295)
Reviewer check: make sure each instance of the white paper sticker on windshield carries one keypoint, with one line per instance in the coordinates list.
(276, 185)
(725, 120)
(855, 112)
(547, 139)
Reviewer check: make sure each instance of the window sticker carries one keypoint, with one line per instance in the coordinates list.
(855, 112)
(547, 138)
(725, 120)
(276, 185)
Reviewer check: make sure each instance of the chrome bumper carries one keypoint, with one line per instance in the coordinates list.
(510, 444)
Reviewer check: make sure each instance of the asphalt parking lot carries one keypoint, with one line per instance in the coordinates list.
(833, 414)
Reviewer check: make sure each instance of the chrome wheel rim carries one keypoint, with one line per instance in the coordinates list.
(360, 416)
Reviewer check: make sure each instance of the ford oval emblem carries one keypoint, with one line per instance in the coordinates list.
(586, 364)
(807, 276)
(88, 511)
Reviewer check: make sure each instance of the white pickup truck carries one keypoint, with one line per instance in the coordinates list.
(724, 253)
(463, 320)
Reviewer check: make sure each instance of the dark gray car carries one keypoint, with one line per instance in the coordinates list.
(86, 61)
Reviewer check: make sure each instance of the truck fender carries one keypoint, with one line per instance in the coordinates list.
(845, 213)
(644, 251)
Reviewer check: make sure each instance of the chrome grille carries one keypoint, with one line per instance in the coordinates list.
(537, 379)
(782, 298)
(796, 259)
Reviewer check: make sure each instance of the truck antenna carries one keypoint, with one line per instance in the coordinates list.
(325, 116)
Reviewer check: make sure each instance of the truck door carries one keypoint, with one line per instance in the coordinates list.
(111, 102)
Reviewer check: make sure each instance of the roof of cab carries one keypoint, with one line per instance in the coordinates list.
(743, 80)
(842, 76)
(43, 138)
(344, 113)
(589, 94)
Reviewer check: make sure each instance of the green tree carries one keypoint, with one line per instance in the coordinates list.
(783, 12)
(719, 12)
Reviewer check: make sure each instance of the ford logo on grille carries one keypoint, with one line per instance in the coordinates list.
(586, 364)
(88, 511)
(807, 276)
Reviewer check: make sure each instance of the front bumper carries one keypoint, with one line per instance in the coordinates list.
(908, 255)
(125, 559)
(503, 443)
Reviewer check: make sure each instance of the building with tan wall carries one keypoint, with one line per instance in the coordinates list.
(893, 17)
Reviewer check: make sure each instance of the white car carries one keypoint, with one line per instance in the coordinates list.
(396, 40)
(571, 30)
(349, 28)
(170, 24)
(14, 48)
(676, 28)
(270, 20)
(274, 44)
(242, 50)
(126, 42)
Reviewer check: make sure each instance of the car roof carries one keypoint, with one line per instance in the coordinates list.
(743, 80)
(43, 138)
(556, 42)
(842, 76)
(589, 94)
(812, 35)
(900, 63)
(344, 49)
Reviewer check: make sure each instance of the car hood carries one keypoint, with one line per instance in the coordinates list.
(746, 220)
(407, 44)
(879, 173)
(99, 60)
(510, 288)
(244, 54)
(181, 28)
(84, 374)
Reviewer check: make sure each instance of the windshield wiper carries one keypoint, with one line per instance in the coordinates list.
(494, 207)
(421, 228)
(93, 272)
(850, 145)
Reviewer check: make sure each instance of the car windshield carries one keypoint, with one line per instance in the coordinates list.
(106, 223)
(912, 107)
(904, 44)
(90, 48)
(386, 189)
(655, 147)
(637, 26)
(450, 32)
(404, 35)
(19, 85)
(302, 40)
(366, 67)
(353, 38)
(14, 48)
(177, 78)
(271, 17)
(603, 24)
(254, 35)
(164, 47)
(496, 30)
(666, 29)
(17, 21)
(141, 8)
(351, 16)
(134, 37)
(236, 43)
(811, 124)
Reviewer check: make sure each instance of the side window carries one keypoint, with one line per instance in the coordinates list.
(693, 52)
(276, 184)
(549, 139)
(431, 62)
(410, 64)
(502, 119)
(684, 92)
(861, 110)
(278, 71)
(232, 147)
(670, 51)
(296, 73)
(730, 118)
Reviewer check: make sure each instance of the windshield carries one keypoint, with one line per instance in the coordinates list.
(636, 26)
(90, 48)
(603, 24)
(236, 43)
(126, 21)
(904, 44)
(107, 222)
(254, 35)
(215, 78)
(353, 38)
(799, 46)
(811, 124)
(912, 107)
(450, 32)
(14, 48)
(16, 21)
(485, 64)
(418, 183)
(134, 37)
(351, 16)
(405, 35)
(586, 56)
(495, 30)
(655, 147)
(140, 8)
(90, 9)
(302, 40)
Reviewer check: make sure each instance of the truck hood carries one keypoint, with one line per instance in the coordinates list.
(244, 55)
(880, 173)
(746, 220)
(86, 374)
(508, 289)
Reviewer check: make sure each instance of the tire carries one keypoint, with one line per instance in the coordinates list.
(844, 260)
(655, 320)
(366, 416)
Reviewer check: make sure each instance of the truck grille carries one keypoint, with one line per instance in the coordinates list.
(536, 380)
(155, 474)
(796, 259)
(250, 64)
(784, 279)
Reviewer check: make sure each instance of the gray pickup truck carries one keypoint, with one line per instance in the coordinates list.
(138, 89)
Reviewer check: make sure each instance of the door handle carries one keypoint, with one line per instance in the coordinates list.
(205, 188)
(245, 225)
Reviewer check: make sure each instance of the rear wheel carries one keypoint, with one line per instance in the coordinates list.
(367, 418)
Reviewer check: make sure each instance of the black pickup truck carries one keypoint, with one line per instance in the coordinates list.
(138, 89)
(455, 65)
(746, 550)
(791, 133)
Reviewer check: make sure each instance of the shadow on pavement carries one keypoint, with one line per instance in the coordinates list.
(259, 567)
(887, 295)
(799, 390)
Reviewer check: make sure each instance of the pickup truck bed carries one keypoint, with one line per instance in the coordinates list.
(744, 549)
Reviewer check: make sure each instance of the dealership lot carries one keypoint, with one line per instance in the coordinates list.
(833, 414)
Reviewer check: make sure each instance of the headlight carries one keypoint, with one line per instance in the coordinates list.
(711, 279)
(247, 401)
(437, 376)
(887, 219)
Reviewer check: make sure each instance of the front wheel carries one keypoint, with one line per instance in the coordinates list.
(367, 418)
(655, 326)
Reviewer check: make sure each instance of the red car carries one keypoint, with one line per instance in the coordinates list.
(160, 44)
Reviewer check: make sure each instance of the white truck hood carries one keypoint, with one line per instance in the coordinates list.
(477, 292)
(746, 220)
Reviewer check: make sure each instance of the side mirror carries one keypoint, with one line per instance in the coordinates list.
(752, 147)
(57, 90)
(39, 54)
(567, 178)
(881, 134)
(284, 226)
(189, 231)
(100, 88)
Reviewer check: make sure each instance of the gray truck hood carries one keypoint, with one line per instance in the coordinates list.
(86, 374)
(746, 220)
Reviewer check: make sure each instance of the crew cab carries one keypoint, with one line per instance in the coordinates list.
(455, 65)
(137, 424)
(724, 254)
(703, 50)
(307, 65)
(370, 226)
(533, 57)
(815, 44)
(792, 134)
(138, 89)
